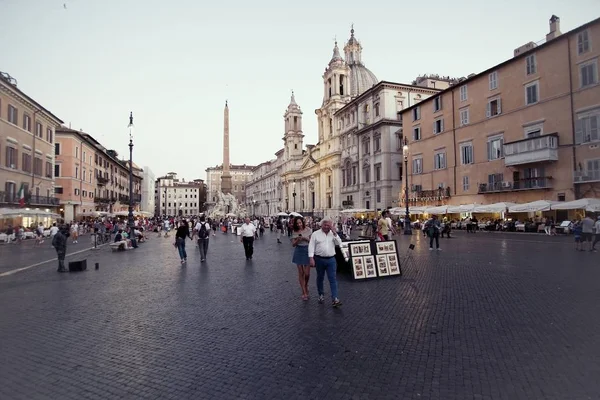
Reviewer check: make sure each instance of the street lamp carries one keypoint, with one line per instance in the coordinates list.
(130, 215)
(294, 194)
(407, 229)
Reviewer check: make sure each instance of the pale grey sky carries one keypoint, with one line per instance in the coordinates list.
(173, 63)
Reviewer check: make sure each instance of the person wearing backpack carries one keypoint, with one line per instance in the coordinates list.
(202, 230)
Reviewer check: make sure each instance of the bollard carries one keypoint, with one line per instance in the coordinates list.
(97, 266)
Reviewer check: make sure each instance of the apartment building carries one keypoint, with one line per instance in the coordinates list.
(523, 130)
(263, 191)
(26, 149)
(174, 196)
(90, 177)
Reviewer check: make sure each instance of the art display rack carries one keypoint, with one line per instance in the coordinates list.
(371, 259)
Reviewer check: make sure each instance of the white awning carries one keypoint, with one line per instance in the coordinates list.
(463, 208)
(493, 208)
(540, 205)
(581, 204)
(437, 210)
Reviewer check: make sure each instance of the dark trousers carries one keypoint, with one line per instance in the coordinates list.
(248, 246)
(203, 246)
(435, 236)
(61, 258)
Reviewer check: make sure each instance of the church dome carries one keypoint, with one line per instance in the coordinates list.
(361, 79)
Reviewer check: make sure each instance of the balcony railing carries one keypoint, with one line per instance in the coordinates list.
(586, 176)
(531, 150)
(102, 181)
(521, 184)
(13, 198)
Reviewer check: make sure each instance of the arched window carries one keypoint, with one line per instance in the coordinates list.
(341, 85)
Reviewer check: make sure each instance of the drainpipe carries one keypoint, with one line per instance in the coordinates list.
(454, 141)
(33, 155)
(575, 187)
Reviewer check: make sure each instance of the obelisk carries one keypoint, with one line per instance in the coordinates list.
(226, 176)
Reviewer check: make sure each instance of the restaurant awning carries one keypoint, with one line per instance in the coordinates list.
(494, 208)
(540, 205)
(591, 205)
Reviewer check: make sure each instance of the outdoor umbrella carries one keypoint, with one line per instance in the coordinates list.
(282, 214)
(295, 214)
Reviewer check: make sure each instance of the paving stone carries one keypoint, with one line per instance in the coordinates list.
(489, 317)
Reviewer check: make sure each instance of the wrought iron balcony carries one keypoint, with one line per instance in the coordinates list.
(531, 150)
(586, 176)
(521, 184)
(102, 181)
(13, 198)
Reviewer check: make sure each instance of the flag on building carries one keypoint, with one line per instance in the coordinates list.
(21, 195)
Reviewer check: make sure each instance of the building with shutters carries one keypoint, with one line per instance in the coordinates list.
(523, 130)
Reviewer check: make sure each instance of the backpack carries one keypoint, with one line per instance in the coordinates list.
(203, 232)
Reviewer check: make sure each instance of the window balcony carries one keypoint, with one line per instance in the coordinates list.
(521, 184)
(13, 199)
(531, 150)
(586, 176)
(102, 181)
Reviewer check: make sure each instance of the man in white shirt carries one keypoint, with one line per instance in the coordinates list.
(202, 229)
(597, 235)
(321, 254)
(248, 230)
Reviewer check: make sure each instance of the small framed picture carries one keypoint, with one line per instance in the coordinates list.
(386, 247)
(369, 262)
(345, 252)
(394, 265)
(360, 249)
(358, 268)
(382, 265)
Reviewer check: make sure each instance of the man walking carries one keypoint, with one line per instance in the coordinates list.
(202, 230)
(248, 230)
(60, 244)
(321, 253)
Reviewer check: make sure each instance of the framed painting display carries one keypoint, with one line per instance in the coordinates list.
(382, 265)
(360, 249)
(387, 247)
(369, 263)
(358, 268)
(346, 252)
(393, 264)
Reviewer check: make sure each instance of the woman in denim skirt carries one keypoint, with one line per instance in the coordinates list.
(300, 239)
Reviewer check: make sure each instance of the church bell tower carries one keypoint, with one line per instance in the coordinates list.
(293, 130)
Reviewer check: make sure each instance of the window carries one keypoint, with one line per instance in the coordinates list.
(366, 147)
(367, 173)
(49, 135)
(83, 157)
(533, 131)
(56, 170)
(13, 115)
(354, 175)
(464, 116)
(417, 165)
(76, 172)
(57, 149)
(39, 129)
(27, 122)
(495, 181)
(494, 107)
(438, 126)
(37, 166)
(583, 42)
(26, 162)
(377, 109)
(377, 143)
(493, 79)
(463, 93)
(588, 73)
(378, 195)
(437, 104)
(48, 169)
(11, 158)
(466, 153)
(417, 133)
(531, 65)
(439, 160)
(465, 183)
(416, 113)
(495, 148)
(532, 93)
(58, 190)
(76, 192)
(378, 172)
(586, 127)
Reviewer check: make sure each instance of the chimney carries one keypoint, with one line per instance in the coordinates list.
(554, 28)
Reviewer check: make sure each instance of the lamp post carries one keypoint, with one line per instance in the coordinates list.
(130, 215)
(294, 194)
(407, 229)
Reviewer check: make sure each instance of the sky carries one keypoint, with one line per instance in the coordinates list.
(174, 63)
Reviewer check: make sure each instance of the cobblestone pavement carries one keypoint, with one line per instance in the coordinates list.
(489, 317)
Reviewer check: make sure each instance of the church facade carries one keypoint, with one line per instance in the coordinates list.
(356, 161)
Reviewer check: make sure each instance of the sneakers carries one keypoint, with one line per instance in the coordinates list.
(336, 302)
(431, 249)
(321, 299)
(438, 249)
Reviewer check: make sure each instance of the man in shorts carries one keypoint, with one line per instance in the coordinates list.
(587, 231)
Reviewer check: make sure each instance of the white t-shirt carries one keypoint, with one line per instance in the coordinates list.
(248, 230)
(53, 230)
(199, 226)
